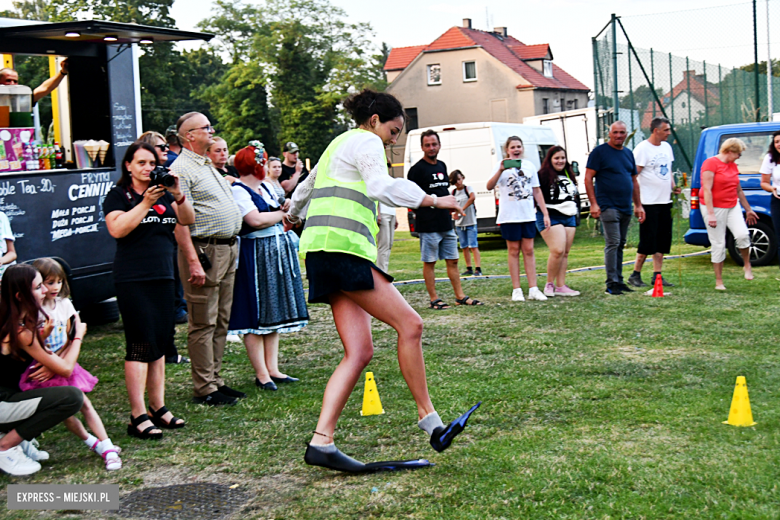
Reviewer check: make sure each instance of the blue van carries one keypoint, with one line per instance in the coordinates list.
(757, 137)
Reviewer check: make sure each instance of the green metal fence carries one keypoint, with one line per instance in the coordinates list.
(653, 81)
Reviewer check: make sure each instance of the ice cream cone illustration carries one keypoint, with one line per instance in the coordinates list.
(103, 151)
(92, 147)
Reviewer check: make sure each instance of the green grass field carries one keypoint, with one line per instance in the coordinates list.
(593, 407)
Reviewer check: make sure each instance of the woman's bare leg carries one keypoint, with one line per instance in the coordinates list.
(529, 260)
(513, 260)
(354, 328)
(555, 238)
(272, 355)
(570, 231)
(255, 351)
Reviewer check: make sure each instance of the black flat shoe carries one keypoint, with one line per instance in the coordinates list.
(443, 435)
(133, 431)
(341, 462)
(287, 379)
(226, 390)
(270, 385)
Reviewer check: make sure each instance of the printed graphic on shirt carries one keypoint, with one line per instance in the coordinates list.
(659, 165)
(519, 185)
(439, 180)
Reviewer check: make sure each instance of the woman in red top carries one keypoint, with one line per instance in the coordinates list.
(720, 192)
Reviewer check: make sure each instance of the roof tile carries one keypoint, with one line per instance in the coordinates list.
(400, 57)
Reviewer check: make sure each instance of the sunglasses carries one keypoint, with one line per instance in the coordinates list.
(162, 147)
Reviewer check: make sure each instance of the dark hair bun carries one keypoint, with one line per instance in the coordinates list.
(368, 102)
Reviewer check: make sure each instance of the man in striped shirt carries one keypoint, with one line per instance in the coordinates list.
(207, 258)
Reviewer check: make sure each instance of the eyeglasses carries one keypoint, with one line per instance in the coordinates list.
(207, 128)
(162, 147)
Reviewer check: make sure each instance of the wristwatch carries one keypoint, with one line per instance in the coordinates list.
(433, 204)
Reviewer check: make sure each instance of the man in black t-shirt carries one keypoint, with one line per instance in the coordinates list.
(437, 237)
(293, 170)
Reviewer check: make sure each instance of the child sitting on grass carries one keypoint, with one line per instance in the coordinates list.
(62, 326)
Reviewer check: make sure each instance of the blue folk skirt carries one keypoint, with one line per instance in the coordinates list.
(268, 293)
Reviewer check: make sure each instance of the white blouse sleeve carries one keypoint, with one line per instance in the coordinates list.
(396, 193)
(302, 194)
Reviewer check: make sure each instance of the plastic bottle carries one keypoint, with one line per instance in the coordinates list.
(30, 161)
(59, 155)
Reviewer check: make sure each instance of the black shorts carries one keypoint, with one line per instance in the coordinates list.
(655, 233)
(333, 272)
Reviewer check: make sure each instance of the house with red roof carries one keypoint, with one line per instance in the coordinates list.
(468, 75)
(681, 102)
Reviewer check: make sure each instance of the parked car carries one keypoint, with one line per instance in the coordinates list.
(474, 149)
(757, 137)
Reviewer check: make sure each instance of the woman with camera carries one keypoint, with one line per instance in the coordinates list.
(268, 297)
(171, 354)
(141, 214)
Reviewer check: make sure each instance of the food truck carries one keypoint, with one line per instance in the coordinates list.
(96, 109)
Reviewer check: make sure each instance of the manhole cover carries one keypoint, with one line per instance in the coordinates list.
(201, 501)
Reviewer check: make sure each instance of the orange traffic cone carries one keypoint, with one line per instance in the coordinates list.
(658, 288)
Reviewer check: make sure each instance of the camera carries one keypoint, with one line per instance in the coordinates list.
(161, 176)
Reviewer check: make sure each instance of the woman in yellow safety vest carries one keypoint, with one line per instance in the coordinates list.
(339, 240)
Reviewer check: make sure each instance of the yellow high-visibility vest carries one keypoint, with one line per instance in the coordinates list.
(341, 217)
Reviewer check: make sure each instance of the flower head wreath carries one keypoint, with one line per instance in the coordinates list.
(259, 150)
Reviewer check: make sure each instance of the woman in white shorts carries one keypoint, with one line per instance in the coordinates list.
(720, 192)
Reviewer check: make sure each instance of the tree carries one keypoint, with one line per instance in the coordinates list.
(643, 95)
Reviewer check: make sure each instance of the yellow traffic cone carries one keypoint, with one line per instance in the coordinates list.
(371, 403)
(740, 413)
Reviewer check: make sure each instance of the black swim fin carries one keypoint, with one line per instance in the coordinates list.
(340, 462)
(443, 435)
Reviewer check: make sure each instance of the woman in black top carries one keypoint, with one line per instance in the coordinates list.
(25, 415)
(142, 218)
(559, 188)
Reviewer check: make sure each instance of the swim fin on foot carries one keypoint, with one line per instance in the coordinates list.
(340, 462)
(443, 435)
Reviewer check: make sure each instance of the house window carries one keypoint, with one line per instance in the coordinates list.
(548, 73)
(545, 106)
(434, 74)
(411, 119)
(571, 104)
(469, 71)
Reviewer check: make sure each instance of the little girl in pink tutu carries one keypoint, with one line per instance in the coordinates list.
(62, 325)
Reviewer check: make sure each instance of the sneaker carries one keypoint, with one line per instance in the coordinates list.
(636, 280)
(30, 448)
(215, 399)
(614, 290)
(517, 295)
(549, 289)
(663, 282)
(14, 462)
(478, 272)
(565, 291)
(625, 288)
(468, 272)
(535, 294)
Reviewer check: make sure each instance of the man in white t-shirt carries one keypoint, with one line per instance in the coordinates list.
(654, 158)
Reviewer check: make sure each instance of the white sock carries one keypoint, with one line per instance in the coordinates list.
(91, 441)
(103, 446)
(430, 422)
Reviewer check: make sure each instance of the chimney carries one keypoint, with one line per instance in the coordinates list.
(467, 23)
(501, 31)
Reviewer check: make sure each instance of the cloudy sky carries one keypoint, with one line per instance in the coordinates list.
(716, 35)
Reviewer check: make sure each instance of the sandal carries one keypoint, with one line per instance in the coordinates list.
(157, 419)
(133, 431)
(439, 305)
(465, 301)
(112, 463)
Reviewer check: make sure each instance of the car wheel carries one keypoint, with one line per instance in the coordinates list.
(763, 245)
(100, 313)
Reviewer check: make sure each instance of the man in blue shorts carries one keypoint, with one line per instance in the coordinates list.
(613, 167)
(437, 236)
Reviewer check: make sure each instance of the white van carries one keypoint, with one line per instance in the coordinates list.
(474, 149)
